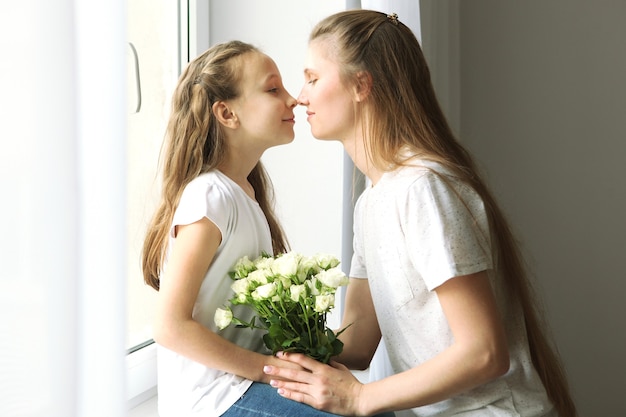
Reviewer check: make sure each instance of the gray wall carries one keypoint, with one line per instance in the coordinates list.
(537, 90)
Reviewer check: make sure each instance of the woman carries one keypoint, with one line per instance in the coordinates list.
(436, 272)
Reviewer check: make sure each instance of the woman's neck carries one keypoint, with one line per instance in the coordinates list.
(356, 150)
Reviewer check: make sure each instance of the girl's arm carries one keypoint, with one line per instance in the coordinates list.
(362, 333)
(478, 354)
(175, 329)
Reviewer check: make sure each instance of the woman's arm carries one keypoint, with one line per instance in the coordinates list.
(362, 333)
(478, 354)
(175, 329)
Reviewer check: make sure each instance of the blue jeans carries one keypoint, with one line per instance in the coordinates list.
(261, 400)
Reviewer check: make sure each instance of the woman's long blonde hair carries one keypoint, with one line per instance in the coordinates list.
(194, 143)
(405, 114)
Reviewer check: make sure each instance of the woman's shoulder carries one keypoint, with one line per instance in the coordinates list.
(429, 178)
(418, 171)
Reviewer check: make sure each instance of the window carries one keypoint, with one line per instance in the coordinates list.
(153, 62)
(162, 36)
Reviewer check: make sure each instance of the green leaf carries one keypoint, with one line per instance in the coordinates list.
(290, 342)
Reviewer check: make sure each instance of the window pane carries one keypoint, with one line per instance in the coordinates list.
(152, 73)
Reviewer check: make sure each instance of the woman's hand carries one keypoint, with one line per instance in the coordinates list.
(478, 355)
(331, 388)
(278, 362)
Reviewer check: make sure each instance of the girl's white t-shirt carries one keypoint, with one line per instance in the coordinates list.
(415, 229)
(185, 387)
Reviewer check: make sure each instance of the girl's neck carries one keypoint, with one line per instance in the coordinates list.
(238, 172)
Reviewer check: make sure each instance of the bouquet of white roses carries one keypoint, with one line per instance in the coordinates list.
(291, 294)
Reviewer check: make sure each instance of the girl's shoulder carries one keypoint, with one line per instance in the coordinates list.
(207, 178)
(208, 195)
(210, 182)
(207, 188)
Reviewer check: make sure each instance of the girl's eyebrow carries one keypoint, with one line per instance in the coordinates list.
(271, 78)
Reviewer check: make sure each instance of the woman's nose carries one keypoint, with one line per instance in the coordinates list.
(303, 100)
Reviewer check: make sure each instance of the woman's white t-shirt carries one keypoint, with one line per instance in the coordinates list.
(414, 230)
(185, 387)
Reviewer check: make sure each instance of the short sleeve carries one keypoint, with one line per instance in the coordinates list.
(446, 229)
(202, 198)
(357, 265)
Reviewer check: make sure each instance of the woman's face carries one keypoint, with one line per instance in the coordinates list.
(330, 105)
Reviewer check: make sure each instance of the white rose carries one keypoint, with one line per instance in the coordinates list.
(285, 281)
(296, 292)
(312, 284)
(333, 278)
(243, 267)
(264, 263)
(241, 286)
(287, 264)
(223, 317)
(307, 266)
(326, 261)
(324, 302)
(264, 291)
(260, 276)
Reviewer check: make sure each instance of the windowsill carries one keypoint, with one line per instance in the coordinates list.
(142, 376)
(146, 409)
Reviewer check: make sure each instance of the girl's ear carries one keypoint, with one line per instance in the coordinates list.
(224, 115)
(363, 85)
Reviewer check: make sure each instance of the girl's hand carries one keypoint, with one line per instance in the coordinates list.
(331, 388)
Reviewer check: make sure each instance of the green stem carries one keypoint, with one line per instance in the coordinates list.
(283, 314)
(308, 327)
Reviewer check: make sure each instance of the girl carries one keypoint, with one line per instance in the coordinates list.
(228, 108)
(436, 272)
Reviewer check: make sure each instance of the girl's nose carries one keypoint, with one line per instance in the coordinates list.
(292, 102)
(302, 100)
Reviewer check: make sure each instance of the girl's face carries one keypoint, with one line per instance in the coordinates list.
(330, 105)
(264, 108)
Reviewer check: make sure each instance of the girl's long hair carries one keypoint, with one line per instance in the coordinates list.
(194, 143)
(405, 115)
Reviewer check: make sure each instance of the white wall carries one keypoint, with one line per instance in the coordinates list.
(542, 103)
(307, 174)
